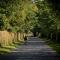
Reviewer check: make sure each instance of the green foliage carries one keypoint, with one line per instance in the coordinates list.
(48, 20)
(14, 14)
(23, 15)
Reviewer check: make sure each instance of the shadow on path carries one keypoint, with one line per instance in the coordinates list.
(33, 49)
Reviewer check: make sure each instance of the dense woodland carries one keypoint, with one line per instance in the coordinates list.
(41, 17)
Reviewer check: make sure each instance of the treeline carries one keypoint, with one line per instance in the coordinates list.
(48, 25)
(17, 18)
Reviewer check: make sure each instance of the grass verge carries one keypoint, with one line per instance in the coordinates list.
(55, 46)
(8, 49)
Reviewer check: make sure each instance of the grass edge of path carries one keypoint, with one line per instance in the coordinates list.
(54, 45)
(8, 49)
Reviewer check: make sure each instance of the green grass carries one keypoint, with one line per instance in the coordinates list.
(4, 50)
(55, 46)
(8, 49)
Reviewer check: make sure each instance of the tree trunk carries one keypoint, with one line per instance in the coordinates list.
(56, 32)
(51, 35)
(17, 35)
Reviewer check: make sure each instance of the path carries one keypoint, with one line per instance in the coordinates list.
(33, 49)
